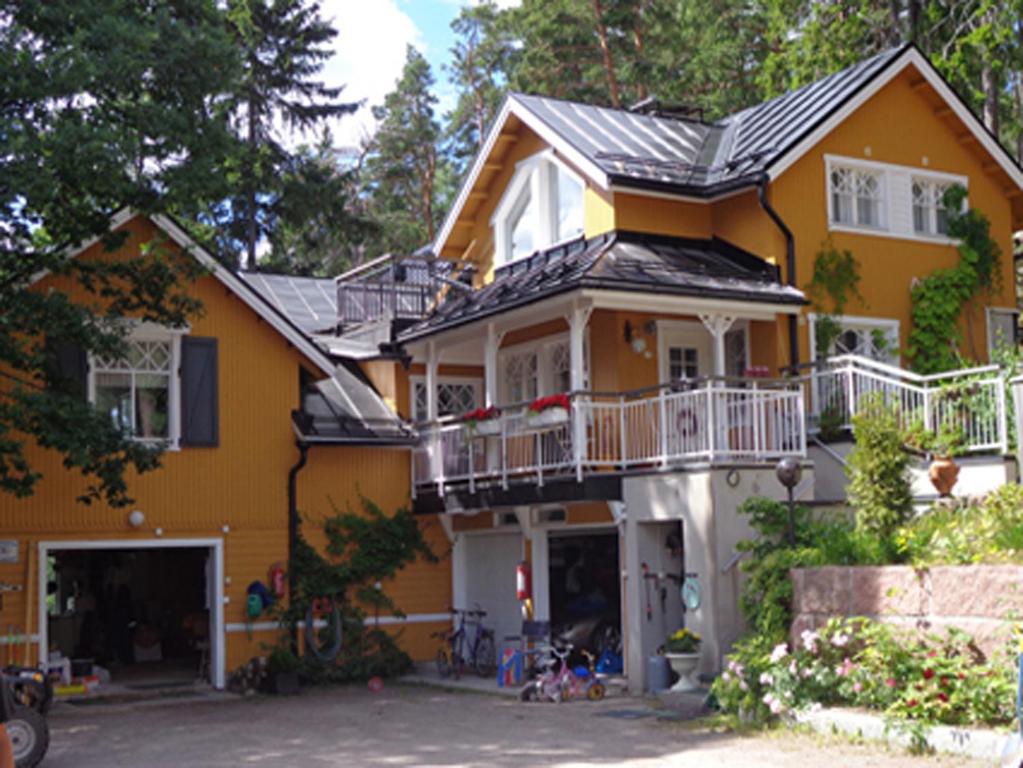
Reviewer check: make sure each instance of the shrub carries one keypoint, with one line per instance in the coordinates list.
(858, 662)
(879, 486)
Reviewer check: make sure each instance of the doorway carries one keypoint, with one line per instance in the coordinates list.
(585, 589)
(150, 613)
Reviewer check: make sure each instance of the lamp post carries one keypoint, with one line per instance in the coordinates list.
(789, 474)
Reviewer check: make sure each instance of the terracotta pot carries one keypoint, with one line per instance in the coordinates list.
(943, 473)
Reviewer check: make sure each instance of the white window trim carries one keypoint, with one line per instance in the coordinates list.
(475, 381)
(536, 171)
(886, 170)
(146, 331)
(544, 375)
(988, 312)
(890, 324)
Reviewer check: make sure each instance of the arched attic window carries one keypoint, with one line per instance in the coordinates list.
(542, 205)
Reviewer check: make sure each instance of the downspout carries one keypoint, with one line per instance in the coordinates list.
(303, 455)
(790, 262)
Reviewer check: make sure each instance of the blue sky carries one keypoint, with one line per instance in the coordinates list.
(370, 51)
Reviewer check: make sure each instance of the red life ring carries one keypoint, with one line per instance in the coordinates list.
(686, 422)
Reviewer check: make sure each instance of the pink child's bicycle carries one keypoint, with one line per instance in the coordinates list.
(559, 683)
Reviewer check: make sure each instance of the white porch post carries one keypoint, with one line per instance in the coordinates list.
(718, 326)
(490, 373)
(432, 363)
(578, 317)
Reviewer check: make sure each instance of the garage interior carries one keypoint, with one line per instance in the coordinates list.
(141, 614)
(585, 589)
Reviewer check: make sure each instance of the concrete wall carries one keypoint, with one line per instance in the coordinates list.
(979, 599)
(705, 501)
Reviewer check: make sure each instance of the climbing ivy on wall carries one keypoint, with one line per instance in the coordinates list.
(938, 299)
(836, 280)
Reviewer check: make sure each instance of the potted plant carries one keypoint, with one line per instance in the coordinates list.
(549, 411)
(682, 650)
(944, 447)
(282, 669)
(482, 422)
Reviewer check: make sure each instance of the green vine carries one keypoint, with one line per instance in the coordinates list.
(938, 299)
(836, 280)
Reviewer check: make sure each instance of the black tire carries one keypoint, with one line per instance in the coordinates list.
(485, 658)
(29, 735)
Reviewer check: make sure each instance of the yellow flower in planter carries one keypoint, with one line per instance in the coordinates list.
(682, 641)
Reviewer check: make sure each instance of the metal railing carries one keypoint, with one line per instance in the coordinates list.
(402, 288)
(970, 401)
(710, 421)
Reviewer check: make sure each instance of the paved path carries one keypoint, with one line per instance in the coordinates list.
(420, 726)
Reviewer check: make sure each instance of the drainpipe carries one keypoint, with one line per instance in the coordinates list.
(790, 262)
(303, 455)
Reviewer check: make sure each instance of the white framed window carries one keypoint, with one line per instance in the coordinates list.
(929, 214)
(857, 197)
(541, 206)
(885, 199)
(455, 396)
(876, 338)
(537, 368)
(1002, 329)
(141, 390)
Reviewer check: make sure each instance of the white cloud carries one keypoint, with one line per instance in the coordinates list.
(369, 53)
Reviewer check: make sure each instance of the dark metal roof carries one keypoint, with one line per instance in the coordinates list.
(309, 303)
(695, 157)
(621, 261)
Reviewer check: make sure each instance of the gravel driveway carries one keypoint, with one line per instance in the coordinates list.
(418, 726)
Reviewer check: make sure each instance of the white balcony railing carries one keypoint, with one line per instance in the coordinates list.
(711, 421)
(970, 401)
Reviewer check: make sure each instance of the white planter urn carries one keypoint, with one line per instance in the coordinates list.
(683, 665)
(549, 417)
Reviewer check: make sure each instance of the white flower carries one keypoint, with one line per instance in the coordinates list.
(766, 678)
(840, 640)
(810, 639)
(780, 652)
(768, 698)
(743, 686)
(776, 707)
(792, 667)
(725, 676)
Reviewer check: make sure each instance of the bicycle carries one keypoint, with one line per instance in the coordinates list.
(562, 684)
(477, 652)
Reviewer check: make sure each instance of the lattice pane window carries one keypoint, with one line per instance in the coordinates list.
(520, 375)
(561, 367)
(735, 352)
(453, 399)
(683, 363)
(857, 197)
(877, 341)
(135, 389)
(930, 217)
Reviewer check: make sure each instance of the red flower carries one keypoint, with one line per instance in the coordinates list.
(911, 703)
(932, 653)
(890, 682)
(551, 401)
(481, 414)
(928, 673)
(944, 682)
(962, 675)
(942, 696)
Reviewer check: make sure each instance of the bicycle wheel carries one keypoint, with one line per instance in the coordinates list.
(443, 663)
(595, 691)
(485, 657)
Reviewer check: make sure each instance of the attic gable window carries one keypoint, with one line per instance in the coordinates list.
(857, 197)
(542, 205)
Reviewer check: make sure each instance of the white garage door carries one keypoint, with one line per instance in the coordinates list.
(491, 561)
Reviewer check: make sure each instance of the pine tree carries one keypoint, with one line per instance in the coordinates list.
(283, 45)
(404, 163)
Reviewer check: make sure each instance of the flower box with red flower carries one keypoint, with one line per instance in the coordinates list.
(548, 412)
(482, 422)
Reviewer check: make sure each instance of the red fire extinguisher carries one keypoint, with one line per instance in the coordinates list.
(276, 579)
(523, 582)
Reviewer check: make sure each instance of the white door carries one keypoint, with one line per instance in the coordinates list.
(490, 582)
(684, 351)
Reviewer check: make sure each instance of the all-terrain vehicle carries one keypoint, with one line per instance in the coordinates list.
(26, 726)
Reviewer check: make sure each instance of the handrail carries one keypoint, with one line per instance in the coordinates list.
(831, 363)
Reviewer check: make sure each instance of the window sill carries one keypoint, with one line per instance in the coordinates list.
(912, 236)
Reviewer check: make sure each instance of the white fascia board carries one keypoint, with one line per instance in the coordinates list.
(651, 302)
(513, 107)
(246, 294)
(910, 57)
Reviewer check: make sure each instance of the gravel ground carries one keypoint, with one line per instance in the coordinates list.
(408, 725)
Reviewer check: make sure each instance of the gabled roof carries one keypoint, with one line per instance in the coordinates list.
(619, 261)
(617, 148)
(308, 302)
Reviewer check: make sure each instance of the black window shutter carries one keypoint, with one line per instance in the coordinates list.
(69, 367)
(200, 413)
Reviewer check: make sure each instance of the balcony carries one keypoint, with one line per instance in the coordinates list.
(710, 421)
